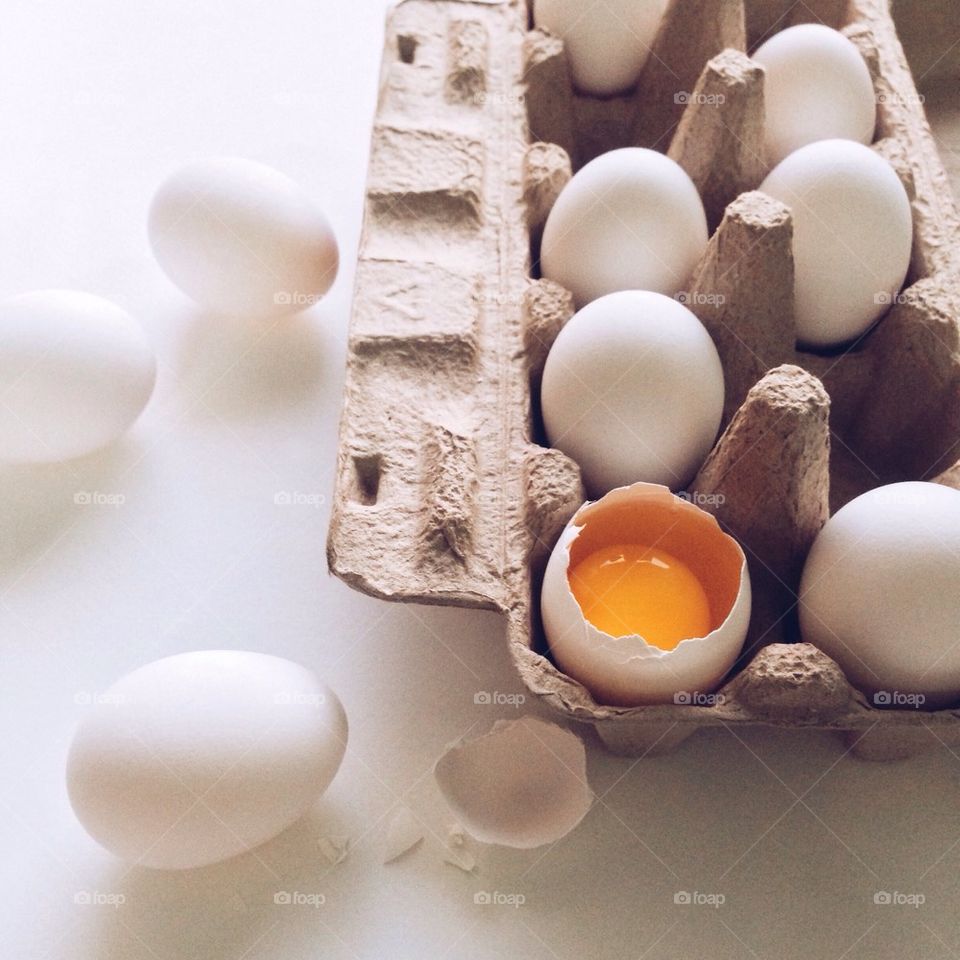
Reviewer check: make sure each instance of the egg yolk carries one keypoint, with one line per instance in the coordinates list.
(628, 589)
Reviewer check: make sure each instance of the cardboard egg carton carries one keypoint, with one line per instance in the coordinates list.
(444, 494)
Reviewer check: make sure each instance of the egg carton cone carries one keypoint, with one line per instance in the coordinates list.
(445, 495)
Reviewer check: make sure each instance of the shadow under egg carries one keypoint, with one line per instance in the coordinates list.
(39, 501)
(242, 367)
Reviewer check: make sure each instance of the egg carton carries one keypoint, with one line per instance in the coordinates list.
(444, 494)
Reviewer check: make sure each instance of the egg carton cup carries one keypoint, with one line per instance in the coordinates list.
(444, 494)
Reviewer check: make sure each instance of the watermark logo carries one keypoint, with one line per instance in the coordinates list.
(897, 698)
(894, 898)
(901, 99)
(97, 498)
(884, 298)
(87, 698)
(695, 698)
(684, 98)
(296, 898)
(99, 898)
(497, 898)
(482, 98)
(297, 498)
(286, 697)
(699, 298)
(687, 898)
(487, 698)
(702, 499)
(897, 495)
(296, 298)
(500, 299)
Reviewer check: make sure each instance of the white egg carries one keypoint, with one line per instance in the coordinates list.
(607, 44)
(629, 220)
(817, 87)
(241, 238)
(75, 372)
(880, 593)
(201, 756)
(627, 670)
(852, 236)
(633, 390)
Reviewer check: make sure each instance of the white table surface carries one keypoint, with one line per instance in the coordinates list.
(98, 101)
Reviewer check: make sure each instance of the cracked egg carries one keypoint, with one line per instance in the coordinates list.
(645, 599)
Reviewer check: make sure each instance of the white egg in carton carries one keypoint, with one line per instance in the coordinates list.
(444, 495)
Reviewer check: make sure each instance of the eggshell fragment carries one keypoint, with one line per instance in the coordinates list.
(75, 373)
(403, 834)
(459, 853)
(628, 671)
(460, 850)
(240, 237)
(521, 785)
(334, 849)
(195, 758)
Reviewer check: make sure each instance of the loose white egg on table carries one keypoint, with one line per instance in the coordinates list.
(633, 390)
(201, 756)
(645, 599)
(880, 593)
(631, 219)
(75, 373)
(852, 237)
(607, 44)
(242, 238)
(817, 87)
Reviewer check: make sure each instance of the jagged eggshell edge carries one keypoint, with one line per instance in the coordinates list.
(629, 671)
(523, 784)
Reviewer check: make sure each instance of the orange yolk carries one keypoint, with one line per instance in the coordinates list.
(630, 589)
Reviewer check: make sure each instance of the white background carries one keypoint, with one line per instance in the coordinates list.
(99, 100)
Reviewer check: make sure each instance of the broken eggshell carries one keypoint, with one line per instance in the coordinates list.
(629, 671)
(403, 833)
(523, 784)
